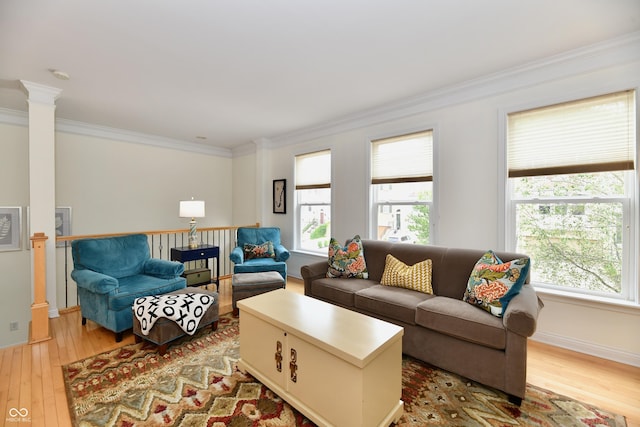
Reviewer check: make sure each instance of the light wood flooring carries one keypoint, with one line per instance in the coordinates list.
(31, 375)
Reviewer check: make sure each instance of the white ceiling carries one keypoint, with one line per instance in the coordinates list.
(234, 71)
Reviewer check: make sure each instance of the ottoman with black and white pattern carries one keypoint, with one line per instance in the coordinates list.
(165, 330)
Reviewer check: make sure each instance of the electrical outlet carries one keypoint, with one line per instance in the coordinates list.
(13, 326)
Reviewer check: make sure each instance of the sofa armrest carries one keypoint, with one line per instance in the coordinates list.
(311, 272)
(237, 256)
(163, 268)
(282, 253)
(521, 316)
(95, 282)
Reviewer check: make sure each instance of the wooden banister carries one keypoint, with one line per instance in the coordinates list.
(150, 233)
(39, 327)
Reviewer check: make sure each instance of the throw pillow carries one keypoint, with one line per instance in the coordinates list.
(416, 277)
(347, 261)
(264, 250)
(494, 283)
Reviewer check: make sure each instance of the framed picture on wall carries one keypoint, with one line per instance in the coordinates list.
(10, 228)
(280, 196)
(63, 223)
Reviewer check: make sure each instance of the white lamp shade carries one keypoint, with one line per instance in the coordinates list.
(192, 209)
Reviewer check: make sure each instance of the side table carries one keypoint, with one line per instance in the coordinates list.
(202, 252)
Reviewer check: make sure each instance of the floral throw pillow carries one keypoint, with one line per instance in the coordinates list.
(264, 250)
(347, 261)
(494, 283)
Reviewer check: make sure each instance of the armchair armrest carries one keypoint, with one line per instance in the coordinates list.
(521, 316)
(237, 255)
(95, 282)
(311, 272)
(163, 268)
(282, 253)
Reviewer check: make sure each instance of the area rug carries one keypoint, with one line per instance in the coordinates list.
(197, 383)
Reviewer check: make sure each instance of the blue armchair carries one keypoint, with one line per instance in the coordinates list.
(112, 272)
(256, 237)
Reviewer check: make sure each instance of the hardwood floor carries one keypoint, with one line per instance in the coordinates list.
(31, 375)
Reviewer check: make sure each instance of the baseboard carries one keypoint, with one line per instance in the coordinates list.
(591, 349)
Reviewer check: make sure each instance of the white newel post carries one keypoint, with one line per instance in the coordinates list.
(42, 178)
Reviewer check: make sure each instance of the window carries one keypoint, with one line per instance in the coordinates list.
(313, 201)
(571, 185)
(402, 187)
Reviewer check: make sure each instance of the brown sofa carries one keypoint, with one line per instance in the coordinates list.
(440, 329)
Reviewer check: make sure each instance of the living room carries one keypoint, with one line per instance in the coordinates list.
(119, 180)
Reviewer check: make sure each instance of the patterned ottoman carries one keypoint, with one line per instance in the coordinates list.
(245, 285)
(166, 330)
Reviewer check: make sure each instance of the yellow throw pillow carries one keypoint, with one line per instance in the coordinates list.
(416, 277)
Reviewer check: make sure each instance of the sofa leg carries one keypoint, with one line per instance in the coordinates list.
(84, 321)
(214, 325)
(118, 336)
(236, 312)
(515, 400)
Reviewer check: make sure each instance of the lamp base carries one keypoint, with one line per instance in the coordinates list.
(193, 236)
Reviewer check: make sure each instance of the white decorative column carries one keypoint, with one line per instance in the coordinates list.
(42, 178)
(263, 204)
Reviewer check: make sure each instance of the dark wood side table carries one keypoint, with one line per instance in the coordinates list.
(202, 252)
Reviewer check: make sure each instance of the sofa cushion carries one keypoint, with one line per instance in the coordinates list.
(347, 261)
(263, 250)
(494, 283)
(461, 320)
(340, 291)
(393, 303)
(416, 277)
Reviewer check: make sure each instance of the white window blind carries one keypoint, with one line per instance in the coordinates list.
(313, 170)
(404, 158)
(591, 135)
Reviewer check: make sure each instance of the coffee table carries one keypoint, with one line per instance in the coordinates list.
(336, 366)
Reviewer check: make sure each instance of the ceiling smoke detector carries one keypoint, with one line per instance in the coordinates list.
(60, 74)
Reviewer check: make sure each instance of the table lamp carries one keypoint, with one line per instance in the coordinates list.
(192, 209)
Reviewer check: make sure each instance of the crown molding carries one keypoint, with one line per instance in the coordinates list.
(21, 118)
(608, 53)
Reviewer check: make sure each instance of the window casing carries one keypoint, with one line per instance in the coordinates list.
(571, 194)
(313, 201)
(402, 188)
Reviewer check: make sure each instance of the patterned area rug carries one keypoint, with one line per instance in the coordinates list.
(196, 383)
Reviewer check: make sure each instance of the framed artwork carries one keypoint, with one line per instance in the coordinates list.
(280, 196)
(10, 228)
(63, 223)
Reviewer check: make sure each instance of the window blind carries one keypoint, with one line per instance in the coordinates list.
(313, 170)
(591, 135)
(404, 158)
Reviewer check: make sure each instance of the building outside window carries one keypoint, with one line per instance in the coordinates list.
(313, 201)
(571, 192)
(402, 188)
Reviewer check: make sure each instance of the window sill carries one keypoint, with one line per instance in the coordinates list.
(590, 301)
(320, 255)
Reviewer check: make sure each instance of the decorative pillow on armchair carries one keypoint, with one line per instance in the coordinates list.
(493, 283)
(347, 261)
(264, 250)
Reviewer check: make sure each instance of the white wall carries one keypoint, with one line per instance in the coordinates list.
(112, 186)
(15, 280)
(468, 187)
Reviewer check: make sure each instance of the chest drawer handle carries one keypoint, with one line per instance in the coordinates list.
(293, 367)
(279, 356)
